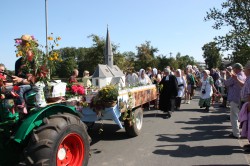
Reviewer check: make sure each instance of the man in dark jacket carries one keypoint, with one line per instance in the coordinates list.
(168, 92)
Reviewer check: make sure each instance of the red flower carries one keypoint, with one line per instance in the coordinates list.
(77, 89)
(81, 90)
(30, 56)
(16, 88)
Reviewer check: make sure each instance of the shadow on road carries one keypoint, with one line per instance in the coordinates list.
(209, 126)
(109, 133)
(207, 119)
(187, 151)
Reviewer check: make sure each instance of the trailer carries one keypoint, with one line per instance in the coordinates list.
(127, 112)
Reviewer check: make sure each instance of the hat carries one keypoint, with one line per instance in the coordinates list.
(237, 66)
(229, 67)
(247, 66)
(25, 38)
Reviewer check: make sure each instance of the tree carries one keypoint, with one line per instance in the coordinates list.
(145, 54)
(69, 63)
(236, 15)
(120, 61)
(211, 54)
(90, 57)
(82, 60)
(241, 55)
(65, 68)
(183, 61)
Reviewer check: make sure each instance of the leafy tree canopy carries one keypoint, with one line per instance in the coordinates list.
(235, 15)
(211, 54)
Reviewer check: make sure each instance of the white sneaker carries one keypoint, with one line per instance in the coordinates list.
(188, 102)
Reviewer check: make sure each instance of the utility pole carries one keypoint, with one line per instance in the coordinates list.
(46, 22)
(46, 27)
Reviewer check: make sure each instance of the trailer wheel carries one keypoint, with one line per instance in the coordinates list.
(62, 140)
(133, 128)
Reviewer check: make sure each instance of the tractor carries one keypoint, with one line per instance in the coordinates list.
(53, 135)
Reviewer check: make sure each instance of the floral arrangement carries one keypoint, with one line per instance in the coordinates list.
(105, 97)
(108, 93)
(35, 63)
(73, 90)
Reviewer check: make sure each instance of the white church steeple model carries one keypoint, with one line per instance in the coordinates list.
(108, 73)
(108, 51)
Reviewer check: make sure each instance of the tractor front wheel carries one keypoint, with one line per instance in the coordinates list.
(62, 140)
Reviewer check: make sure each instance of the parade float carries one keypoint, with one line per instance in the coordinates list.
(53, 131)
(112, 99)
(126, 110)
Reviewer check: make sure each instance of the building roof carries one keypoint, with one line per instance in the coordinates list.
(104, 71)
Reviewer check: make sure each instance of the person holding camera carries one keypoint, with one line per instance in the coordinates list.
(207, 89)
(234, 96)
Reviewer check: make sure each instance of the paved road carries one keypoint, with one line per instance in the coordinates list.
(190, 137)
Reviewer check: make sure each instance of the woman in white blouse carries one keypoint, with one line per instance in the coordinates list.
(143, 78)
(182, 86)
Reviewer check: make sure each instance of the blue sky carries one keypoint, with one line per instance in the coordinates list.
(171, 25)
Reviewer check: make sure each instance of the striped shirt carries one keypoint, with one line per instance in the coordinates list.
(234, 88)
(245, 91)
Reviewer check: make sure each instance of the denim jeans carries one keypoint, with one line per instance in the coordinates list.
(20, 92)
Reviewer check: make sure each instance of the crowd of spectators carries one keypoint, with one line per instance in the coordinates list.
(229, 87)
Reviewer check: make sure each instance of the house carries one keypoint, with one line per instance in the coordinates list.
(108, 73)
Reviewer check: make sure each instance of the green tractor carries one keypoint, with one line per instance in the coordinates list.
(53, 135)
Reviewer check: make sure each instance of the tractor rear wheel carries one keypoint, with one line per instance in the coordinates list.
(62, 140)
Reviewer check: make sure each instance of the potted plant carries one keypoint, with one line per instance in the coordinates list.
(108, 95)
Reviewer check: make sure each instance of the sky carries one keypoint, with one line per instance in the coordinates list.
(170, 25)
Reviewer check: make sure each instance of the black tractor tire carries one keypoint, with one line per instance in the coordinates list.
(133, 128)
(54, 141)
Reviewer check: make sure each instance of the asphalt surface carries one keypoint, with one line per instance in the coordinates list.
(190, 137)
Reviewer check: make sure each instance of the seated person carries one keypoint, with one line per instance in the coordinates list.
(73, 77)
(3, 76)
(86, 79)
(20, 78)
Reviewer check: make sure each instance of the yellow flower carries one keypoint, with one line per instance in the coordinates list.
(20, 53)
(27, 45)
(50, 38)
(57, 45)
(58, 38)
(55, 54)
